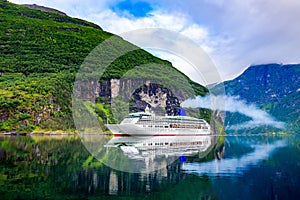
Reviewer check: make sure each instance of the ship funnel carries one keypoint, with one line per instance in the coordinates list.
(181, 112)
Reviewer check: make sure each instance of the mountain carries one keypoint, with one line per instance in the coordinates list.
(274, 88)
(41, 50)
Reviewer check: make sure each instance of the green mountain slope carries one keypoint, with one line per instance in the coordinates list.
(40, 53)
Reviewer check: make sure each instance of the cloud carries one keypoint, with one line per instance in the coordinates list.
(185, 54)
(178, 22)
(255, 31)
(183, 65)
(234, 104)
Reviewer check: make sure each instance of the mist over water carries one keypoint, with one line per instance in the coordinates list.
(235, 105)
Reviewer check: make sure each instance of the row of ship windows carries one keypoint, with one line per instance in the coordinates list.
(177, 126)
(172, 121)
(176, 143)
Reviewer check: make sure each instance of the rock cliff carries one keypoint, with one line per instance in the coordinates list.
(138, 93)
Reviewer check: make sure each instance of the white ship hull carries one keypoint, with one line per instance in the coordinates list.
(136, 130)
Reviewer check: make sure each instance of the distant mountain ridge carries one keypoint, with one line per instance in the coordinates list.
(274, 88)
(275, 80)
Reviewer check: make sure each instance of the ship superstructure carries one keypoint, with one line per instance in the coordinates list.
(143, 123)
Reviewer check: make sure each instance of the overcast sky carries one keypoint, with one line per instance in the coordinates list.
(234, 33)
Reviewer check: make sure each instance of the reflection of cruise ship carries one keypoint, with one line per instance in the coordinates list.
(143, 124)
(167, 146)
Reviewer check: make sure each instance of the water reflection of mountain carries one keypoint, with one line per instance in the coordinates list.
(146, 154)
(233, 166)
(62, 168)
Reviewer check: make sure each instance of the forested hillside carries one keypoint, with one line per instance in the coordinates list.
(40, 53)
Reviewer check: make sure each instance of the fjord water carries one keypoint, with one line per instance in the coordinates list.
(253, 166)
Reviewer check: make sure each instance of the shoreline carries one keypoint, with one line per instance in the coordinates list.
(38, 134)
(46, 133)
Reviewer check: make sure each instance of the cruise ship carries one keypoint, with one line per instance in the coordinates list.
(148, 124)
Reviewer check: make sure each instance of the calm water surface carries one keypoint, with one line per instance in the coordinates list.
(256, 166)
